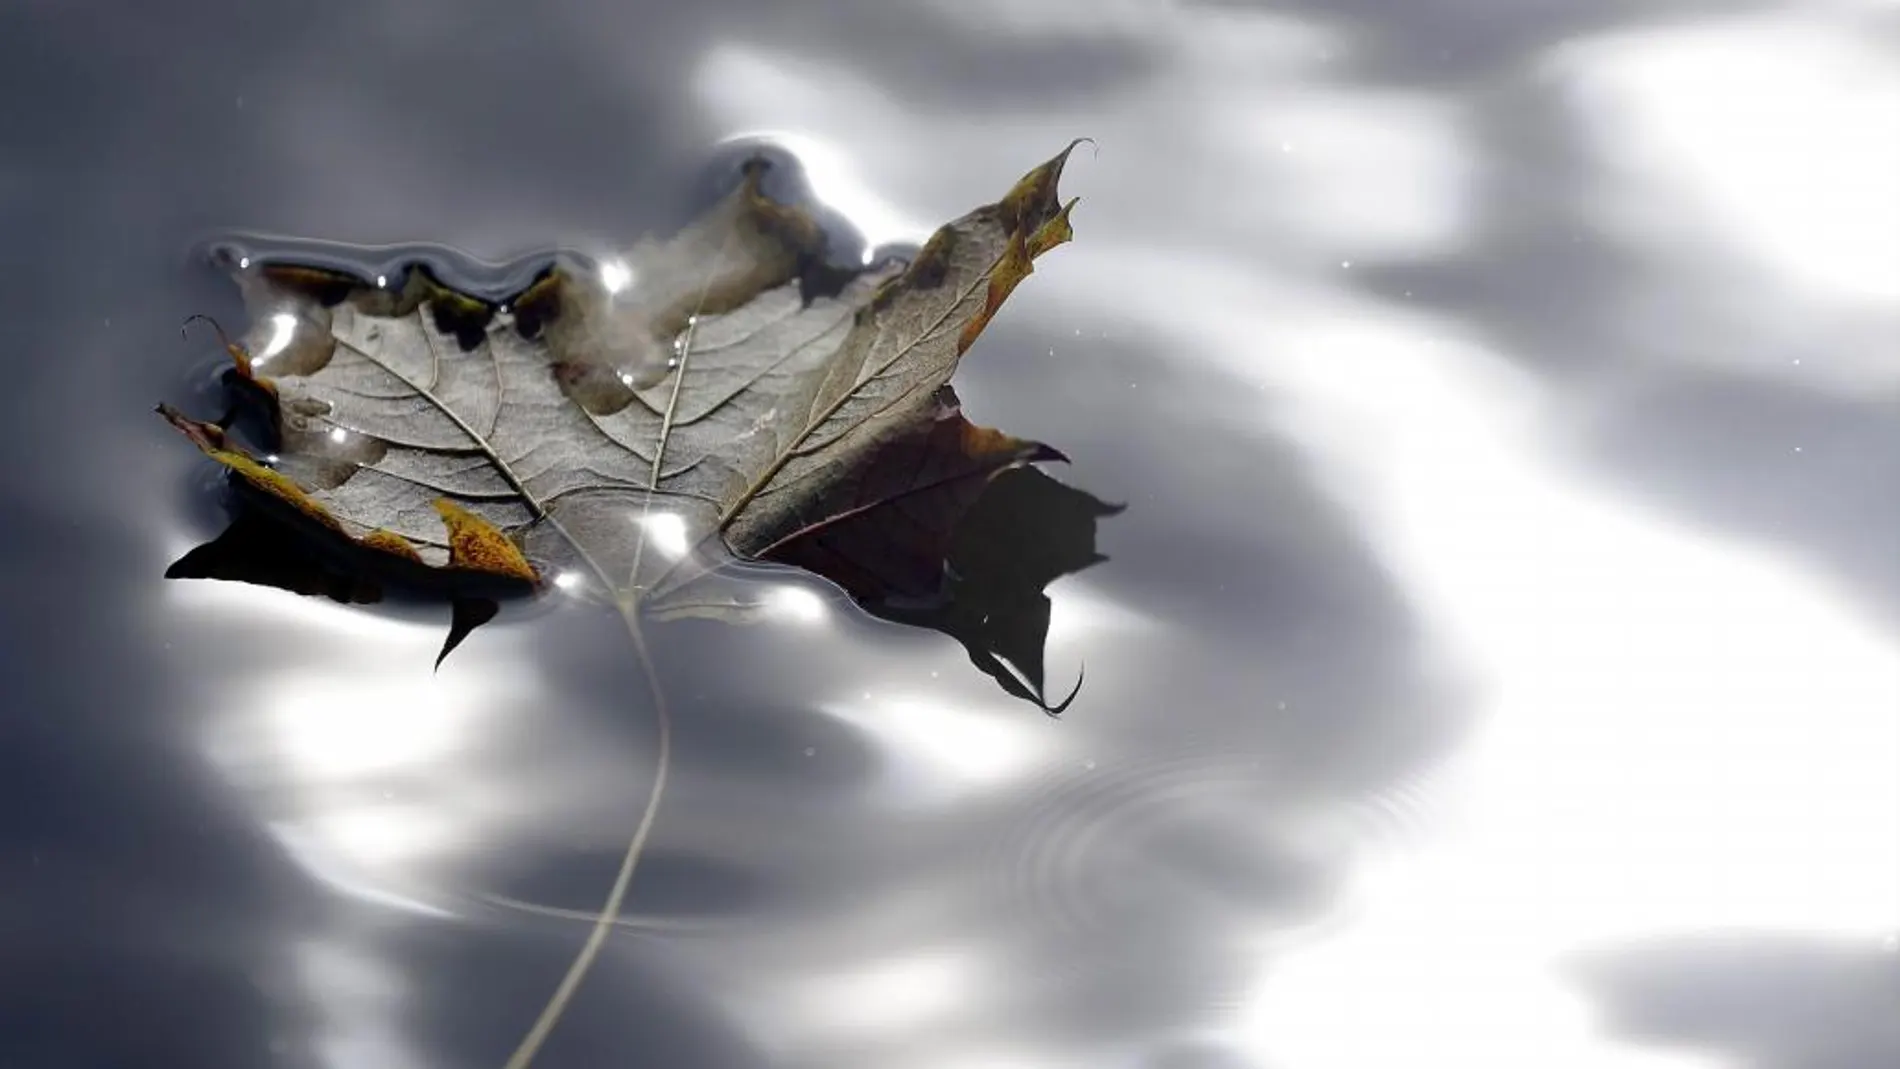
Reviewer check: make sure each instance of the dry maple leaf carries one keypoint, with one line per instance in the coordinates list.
(722, 393)
(714, 384)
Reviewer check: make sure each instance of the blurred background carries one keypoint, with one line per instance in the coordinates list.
(1498, 663)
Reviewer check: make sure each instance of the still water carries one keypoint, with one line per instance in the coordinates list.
(1498, 662)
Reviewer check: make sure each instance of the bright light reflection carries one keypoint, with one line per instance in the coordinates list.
(319, 859)
(796, 604)
(936, 749)
(370, 777)
(1681, 732)
(283, 327)
(1778, 132)
(338, 435)
(568, 581)
(615, 275)
(666, 533)
(895, 995)
(838, 185)
(360, 999)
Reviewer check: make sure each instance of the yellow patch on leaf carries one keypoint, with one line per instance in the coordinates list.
(276, 484)
(480, 546)
(391, 543)
(1056, 231)
(210, 439)
(1008, 273)
(1018, 256)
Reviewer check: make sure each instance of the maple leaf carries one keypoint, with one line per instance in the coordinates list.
(720, 394)
(722, 388)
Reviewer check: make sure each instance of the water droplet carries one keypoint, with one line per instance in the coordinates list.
(672, 361)
(244, 262)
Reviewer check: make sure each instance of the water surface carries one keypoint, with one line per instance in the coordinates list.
(1498, 662)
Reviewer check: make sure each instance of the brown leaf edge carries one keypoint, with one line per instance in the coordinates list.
(484, 563)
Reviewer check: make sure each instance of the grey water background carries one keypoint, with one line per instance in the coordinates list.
(1498, 663)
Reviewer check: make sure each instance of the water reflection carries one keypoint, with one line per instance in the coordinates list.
(1476, 638)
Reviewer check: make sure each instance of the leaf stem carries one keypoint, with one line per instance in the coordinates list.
(609, 914)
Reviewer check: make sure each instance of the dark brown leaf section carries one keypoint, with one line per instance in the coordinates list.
(949, 530)
(885, 532)
(1026, 531)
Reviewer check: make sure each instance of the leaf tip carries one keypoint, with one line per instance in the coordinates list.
(1061, 707)
(1034, 199)
(240, 356)
(465, 615)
